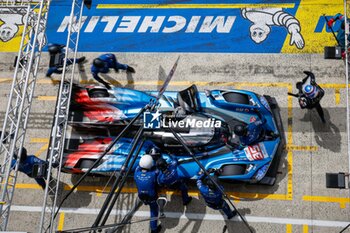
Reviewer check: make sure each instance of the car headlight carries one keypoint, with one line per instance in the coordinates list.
(264, 102)
(261, 172)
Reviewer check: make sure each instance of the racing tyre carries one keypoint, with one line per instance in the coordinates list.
(86, 163)
(233, 169)
(98, 93)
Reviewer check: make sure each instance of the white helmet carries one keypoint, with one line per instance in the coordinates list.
(146, 162)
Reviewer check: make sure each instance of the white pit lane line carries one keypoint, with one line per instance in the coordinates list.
(195, 216)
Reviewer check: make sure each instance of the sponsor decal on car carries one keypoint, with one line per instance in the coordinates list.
(256, 152)
(252, 119)
(154, 120)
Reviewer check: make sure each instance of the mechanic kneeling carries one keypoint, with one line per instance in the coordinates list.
(146, 181)
(168, 177)
(26, 165)
(103, 63)
(57, 55)
(213, 196)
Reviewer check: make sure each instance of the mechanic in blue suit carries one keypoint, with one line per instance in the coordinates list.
(57, 54)
(103, 63)
(310, 94)
(146, 181)
(213, 196)
(251, 133)
(168, 177)
(341, 30)
(26, 164)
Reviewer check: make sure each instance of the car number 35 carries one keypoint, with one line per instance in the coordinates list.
(254, 152)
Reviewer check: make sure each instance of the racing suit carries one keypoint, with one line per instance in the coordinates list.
(213, 198)
(341, 31)
(146, 182)
(56, 67)
(27, 168)
(170, 179)
(110, 63)
(255, 132)
(307, 102)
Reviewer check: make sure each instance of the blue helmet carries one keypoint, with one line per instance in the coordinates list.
(55, 48)
(310, 91)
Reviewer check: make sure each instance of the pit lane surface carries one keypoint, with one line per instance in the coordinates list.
(298, 202)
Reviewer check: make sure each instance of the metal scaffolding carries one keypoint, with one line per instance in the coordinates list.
(346, 7)
(20, 99)
(55, 152)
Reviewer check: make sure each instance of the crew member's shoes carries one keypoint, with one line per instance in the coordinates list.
(48, 76)
(234, 213)
(188, 201)
(130, 69)
(159, 228)
(81, 60)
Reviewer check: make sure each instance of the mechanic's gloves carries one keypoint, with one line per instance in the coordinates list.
(330, 22)
(130, 69)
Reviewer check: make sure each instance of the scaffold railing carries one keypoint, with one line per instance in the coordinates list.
(55, 152)
(34, 15)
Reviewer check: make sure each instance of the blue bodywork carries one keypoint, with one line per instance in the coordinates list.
(252, 161)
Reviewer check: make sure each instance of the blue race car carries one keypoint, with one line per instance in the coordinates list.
(204, 120)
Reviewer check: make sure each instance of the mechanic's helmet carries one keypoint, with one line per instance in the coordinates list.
(211, 184)
(111, 57)
(162, 164)
(146, 162)
(98, 63)
(240, 130)
(155, 153)
(54, 48)
(23, 155)
(310, 91)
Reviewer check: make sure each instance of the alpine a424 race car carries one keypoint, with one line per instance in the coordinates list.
(204, 120)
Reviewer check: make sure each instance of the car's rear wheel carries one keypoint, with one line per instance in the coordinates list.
(233, 169)
(86, 163)
(98, 93)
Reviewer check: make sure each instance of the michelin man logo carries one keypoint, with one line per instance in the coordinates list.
(263, 18)
(151, 120)
(12, 18)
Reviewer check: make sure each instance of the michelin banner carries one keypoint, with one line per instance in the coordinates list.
(212, 26)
